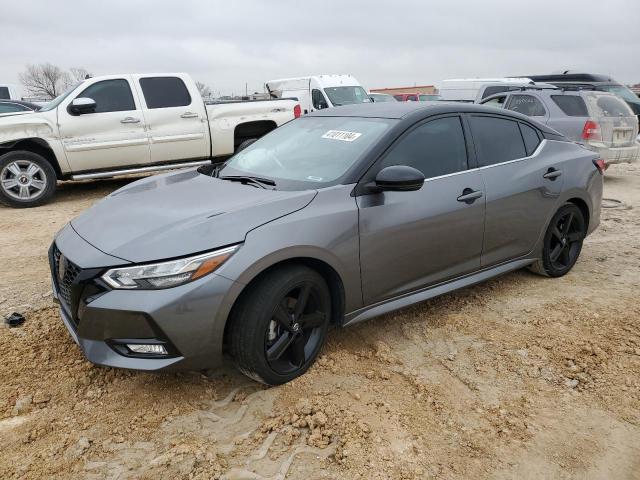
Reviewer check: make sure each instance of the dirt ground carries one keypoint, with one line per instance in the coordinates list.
(519, 377)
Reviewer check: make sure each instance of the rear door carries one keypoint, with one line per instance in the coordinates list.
(522, 185)
(410, 240)
(113, 136)
(176, 118)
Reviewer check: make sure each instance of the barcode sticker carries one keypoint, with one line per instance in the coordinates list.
(341, 135)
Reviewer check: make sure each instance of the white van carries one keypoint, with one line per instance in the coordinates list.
(9, 92)
(320, 91)
(475, 89)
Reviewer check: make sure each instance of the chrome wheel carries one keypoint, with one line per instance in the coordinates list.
(23, 180)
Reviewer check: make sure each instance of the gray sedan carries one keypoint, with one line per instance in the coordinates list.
(333, 218)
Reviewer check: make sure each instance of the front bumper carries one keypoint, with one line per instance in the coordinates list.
(188, 320)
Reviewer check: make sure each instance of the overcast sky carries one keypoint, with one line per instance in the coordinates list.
(383, 44)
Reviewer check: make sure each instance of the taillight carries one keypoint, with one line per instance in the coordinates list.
(591, 131)
(600, 165)
(297, 111)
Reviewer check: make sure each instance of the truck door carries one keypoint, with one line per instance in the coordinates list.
(112, 136)
(176, 118)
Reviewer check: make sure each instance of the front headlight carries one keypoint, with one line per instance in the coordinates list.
(167, 274)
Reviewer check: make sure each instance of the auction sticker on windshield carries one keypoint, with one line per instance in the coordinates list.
(341, 135)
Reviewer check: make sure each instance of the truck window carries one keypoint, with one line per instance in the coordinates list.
(4, 93)
(165, 92)
(110, 96)
(318, 99)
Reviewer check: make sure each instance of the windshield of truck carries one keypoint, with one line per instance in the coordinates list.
(58, 100)
(346, 95)
(311, 152)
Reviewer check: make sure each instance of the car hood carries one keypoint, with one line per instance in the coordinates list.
(179, 214)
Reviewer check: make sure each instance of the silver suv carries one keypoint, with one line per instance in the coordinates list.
(600, 121)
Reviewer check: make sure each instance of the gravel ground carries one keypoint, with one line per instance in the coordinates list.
(519, 377)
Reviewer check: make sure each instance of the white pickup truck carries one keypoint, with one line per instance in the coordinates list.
(123, 124)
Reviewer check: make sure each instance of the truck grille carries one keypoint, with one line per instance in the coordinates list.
(65, 274)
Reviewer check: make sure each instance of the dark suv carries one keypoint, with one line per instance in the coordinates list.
(603, 83)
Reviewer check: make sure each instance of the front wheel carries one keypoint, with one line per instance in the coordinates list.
(280, 324)
(562, 242)
(26, 179)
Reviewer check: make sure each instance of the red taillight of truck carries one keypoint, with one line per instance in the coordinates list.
(297, 111)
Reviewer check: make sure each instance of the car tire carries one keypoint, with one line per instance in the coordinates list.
(562, 242)
(268, 338)
(26, 179)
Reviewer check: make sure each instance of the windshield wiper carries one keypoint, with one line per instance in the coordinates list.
(259, 181)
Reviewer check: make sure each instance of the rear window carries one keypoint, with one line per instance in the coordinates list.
(165, 92)
(497, 140)
(571, 105)
(4, 93)
(604, 105)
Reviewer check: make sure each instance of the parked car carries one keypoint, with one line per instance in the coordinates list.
(13, 107)
(475, 89)
(122, 124)
(407, 97)
(600, 121)
(429, 97)
(334, 218)
(9, 92)
(381, 97)
(603, 83)
(320, 91)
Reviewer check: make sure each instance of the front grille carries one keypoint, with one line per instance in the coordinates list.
(65, 274)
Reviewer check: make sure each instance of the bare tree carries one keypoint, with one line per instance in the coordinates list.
(45, 80)
(78, 74)
(204, 89)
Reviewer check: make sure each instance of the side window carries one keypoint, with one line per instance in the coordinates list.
(435, 148)
(412, 98)
(531, 138)
(497, 140)
(571, 105)
(110, 96)
(4, 93)
(398, 97)
(497, 102)
(318, 100)
(165, 92)
(527, 105)
(11, 107)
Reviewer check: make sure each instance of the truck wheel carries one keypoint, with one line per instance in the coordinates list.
(278, 328)
(245, 144)
(26, 179)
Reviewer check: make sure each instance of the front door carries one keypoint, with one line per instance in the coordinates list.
(410, 240)
(112, 137)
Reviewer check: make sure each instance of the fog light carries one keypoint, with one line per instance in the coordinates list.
(149, 349)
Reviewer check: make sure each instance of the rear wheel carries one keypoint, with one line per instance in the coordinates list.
(279, 326)
(562, 242)
(26, 179)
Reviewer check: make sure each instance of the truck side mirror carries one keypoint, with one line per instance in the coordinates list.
(82, 105)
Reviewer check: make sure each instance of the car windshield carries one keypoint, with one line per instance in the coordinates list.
(56, 101)
(311, 152)
(622, 92)
(346, 95)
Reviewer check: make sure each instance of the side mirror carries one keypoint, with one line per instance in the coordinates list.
(399, 178)
(82, 105)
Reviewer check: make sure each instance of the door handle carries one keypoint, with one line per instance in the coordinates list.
(130, 120)
(552, 174)
(469, 196)
(189, 115)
